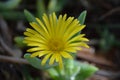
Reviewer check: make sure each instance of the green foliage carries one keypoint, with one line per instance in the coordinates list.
(27, 75)
(86, 71)
(19, 41)
(52, 6)
(82, 17)
(10, 4)
(40, 8)
(7, 10)
(12, 15)
(73, 70)
(29, 16)
(36, 62)
(56, 5)
(107, 40)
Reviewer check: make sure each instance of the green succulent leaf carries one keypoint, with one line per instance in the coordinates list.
(107, 40)
(53, 73)
(56, 5)
(52, 6)
(71, 68)
(19, 41)
(82, 17)
(29, 16)
(40, 8)
(12, 15)
(36, 62)
(10, 4)
(86, 71)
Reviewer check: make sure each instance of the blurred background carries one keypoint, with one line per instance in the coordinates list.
(102, 29)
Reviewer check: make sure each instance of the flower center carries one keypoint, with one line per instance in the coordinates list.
(56, 45)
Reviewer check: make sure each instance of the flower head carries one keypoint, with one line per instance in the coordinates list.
(55, 39)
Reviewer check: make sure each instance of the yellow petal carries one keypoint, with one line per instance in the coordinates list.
(35, 54)
(54, 19)
(42, 53)
(42, 25)
(72, 26)
(83, 39)
(78, 48)
(62, 25)
(35, 49)
(31, 43)
(51, 24)
(28, 34)
(47, 23)
(60, 62)
(82, 44)
(77, 29)
(52, 59)
(74, 31)
(31, 31)
(38, 29)
(34, 39)
(66, 24)
(77, 38)
(57, 56)
(66, 55)
(57, 28)
(39, 53)
(71, 49)
(45, 58)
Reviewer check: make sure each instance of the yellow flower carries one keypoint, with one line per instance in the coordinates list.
(55, 39)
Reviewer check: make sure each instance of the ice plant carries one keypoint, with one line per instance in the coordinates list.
(54, 39)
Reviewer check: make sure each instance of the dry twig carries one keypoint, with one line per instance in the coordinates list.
(6, 47)
(13, 60)
(110, 13)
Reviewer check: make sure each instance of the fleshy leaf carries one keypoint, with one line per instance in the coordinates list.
(86, 71)
(56, 5)
(40, 8)
(53, 73)
(82, 17)
(9, 4)
(107, 40)
(73, 70)
(29, 16)
(36, 62)
(19, 41)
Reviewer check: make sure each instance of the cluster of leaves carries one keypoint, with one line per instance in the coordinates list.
(11, 7)
(73, 70)
(7, 10)
(108, 40)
